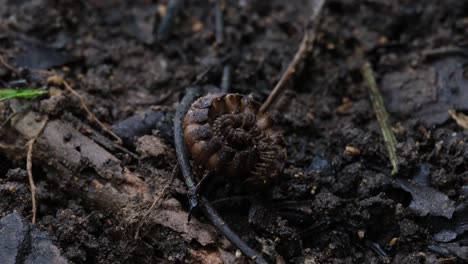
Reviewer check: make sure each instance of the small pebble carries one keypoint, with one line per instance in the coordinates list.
(393, 241)
(361, 234)
(352, 151)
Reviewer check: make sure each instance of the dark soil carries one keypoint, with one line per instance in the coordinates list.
(330, 205)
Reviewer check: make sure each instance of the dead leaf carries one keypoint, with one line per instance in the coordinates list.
(425, 93)
(427, 200)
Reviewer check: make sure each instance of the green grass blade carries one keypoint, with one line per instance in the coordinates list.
(7, 94)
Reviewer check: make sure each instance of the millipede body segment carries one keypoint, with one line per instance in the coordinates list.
(226, 134)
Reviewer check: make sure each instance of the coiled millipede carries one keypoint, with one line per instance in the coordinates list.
(227, 134)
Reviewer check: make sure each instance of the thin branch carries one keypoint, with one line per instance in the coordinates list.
(182, 156)
(304, 48)
(97, 136)
(168, 20)
(226, 79)
(382, 115)
(442, 52)
(208, 209)
(158, 199)
(7, 65)
(32, 186)
(219, 22)
(22, 109)
(90, 114)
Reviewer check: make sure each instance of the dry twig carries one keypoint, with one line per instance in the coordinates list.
(158, 199)
(7, 65)
(304, 48)
(11, 116)
(226, 79)
(382, 115)
(90, 114)
(54, 79)
(460, 118)
(7, 147)
(168, 20)
(185, 168)
(219, 33)
(219, 22)
(32, 186)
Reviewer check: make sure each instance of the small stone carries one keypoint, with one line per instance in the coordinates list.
(42, 250)
(383, 40)
(55, 80)
(13, 230)
(393, 241)
(345, 107)
(313, 189)
(197, 26)
(361, 234)
(21, 242)
(352, 151)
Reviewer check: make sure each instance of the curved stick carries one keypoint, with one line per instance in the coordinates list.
(208, 209)
(304, 48)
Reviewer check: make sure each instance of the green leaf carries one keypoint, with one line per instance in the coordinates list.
(7, 94)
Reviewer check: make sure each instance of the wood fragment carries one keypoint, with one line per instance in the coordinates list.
(443, 52)
(97, 136)
(32, 186)
(6, 147)
(381, 114)
(304, 48)
(105, 182)
(460, 118)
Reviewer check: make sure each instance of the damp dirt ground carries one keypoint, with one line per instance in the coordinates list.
(336, 200)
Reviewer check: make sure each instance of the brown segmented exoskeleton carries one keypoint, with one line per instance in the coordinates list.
(226, 134)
